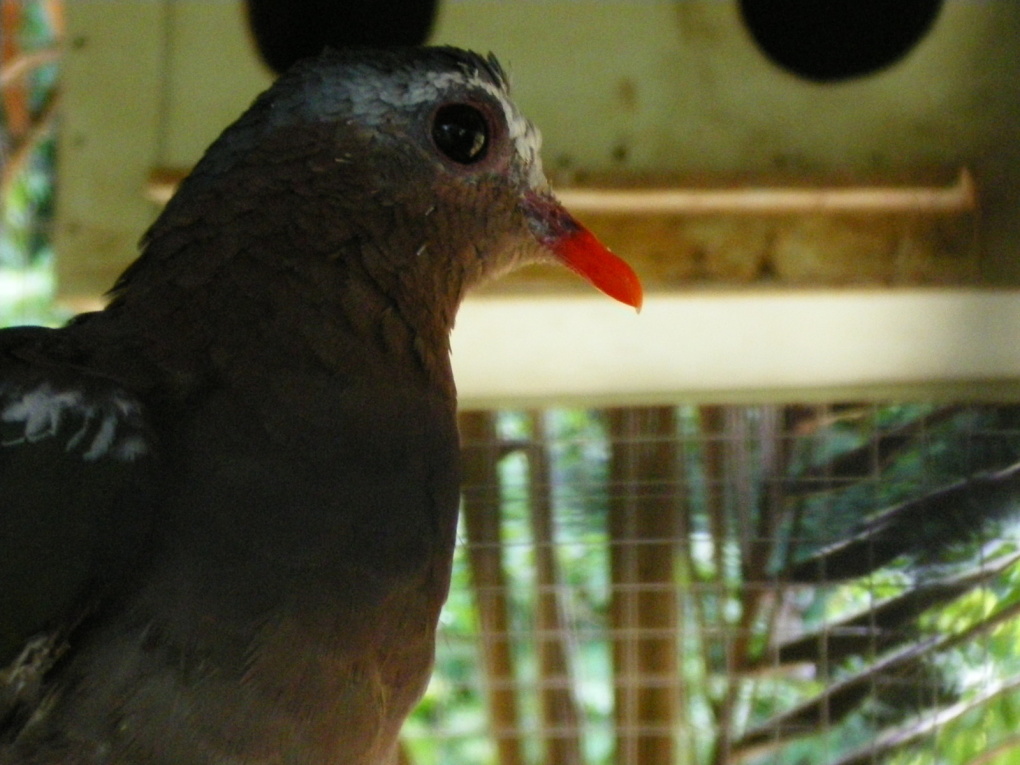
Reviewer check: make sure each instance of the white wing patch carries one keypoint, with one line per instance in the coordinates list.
(96, 425)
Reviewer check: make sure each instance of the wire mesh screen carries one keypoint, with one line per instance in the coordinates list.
(30, 33)
(716, 584)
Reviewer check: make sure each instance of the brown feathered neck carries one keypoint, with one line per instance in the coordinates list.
(325, 227)
(305, 263)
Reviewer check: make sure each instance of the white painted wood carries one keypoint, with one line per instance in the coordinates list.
(645, 87)
(960, 197)
(145, 84)
(739, 345)
(111, 80)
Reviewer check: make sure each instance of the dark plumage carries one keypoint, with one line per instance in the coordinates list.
(230, 497)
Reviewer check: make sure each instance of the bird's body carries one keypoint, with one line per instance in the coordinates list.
(230, 497)
(252, 550)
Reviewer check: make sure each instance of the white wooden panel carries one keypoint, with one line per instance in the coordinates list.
(111, 85)
(618, 87)
(633, 87)
(663, 85)
(739, 346)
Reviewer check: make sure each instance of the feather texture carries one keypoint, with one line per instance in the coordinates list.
(230, 498)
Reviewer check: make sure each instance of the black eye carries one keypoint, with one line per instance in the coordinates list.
(461, 132)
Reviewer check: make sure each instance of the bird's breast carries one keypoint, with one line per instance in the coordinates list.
(296, 597)
(354, 476)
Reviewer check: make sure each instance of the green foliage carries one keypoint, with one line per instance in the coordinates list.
(941, 688)
(27, 211)
(28, 170)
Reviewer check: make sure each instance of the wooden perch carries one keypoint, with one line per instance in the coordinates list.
(960, 197)
(957, 198)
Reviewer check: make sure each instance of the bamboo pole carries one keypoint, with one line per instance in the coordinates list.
(561, 718)
(644, 519)
(480, 455)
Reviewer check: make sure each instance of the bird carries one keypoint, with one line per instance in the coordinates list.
(230, 496)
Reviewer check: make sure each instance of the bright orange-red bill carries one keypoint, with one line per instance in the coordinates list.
(581, 251)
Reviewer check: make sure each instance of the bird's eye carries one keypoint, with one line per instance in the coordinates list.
(461, 132)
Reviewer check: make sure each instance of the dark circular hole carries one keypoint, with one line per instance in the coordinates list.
(830, 40)
(286, 31)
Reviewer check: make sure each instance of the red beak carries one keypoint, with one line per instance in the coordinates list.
(578, 249)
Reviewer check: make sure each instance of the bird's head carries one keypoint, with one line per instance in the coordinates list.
(413, 162)
(442, 140)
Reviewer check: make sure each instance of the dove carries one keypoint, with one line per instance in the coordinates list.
(230, 497)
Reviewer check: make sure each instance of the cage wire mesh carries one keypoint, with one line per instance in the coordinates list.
(30, 35)
(828, 584)
(721, 584)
